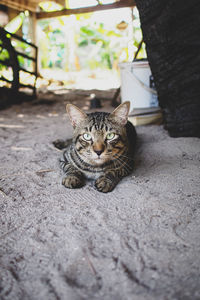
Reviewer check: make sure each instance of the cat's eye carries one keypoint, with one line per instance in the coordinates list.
(87, 136)
(110, 136)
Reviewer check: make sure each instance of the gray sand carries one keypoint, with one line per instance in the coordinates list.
(141, 241)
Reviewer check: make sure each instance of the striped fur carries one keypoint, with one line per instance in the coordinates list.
(103, 159)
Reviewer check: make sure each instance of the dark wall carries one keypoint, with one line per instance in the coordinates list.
(171, 31)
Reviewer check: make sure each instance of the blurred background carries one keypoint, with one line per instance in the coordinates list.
(81, 51)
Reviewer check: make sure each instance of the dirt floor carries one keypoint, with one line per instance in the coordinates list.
(140, 241)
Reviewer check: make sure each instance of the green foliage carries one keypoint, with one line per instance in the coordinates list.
(89, 43)
(137, 35)
(14, 25)
(4, 54)
(100, 38)
(87, 31)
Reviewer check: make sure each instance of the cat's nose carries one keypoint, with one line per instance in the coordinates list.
(98, 152)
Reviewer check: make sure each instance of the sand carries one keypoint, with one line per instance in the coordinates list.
(140, 241)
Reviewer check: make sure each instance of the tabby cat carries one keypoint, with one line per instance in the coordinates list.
(102, 148)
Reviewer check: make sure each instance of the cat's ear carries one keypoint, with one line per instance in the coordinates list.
(120, 114)
(75, 114)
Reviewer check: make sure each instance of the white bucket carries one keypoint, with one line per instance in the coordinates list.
(136, 85)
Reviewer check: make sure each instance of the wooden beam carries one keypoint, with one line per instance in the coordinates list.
(15, 36)
(20, 5)
(26, 56)
(66, 12)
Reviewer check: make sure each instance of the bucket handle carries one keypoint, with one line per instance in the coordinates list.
(141, 83)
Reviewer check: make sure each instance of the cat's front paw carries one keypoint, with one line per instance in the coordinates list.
(104, 184)
(72, 182)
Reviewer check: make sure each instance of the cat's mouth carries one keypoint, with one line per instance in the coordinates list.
(98, 160)
(94, 159)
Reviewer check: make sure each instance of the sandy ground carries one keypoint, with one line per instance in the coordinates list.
(139, 242)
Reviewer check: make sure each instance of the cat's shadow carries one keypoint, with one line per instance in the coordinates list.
(61, 144)
(138, 156)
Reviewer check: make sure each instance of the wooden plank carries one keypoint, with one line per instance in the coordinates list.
(25, 55)
(17, 37)
(65, 12)
(26, 86)
(30, 72)
(2, 78)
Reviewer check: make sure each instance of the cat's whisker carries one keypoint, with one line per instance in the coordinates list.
(125, 156)
(126, 167)
(125, 163)
(122, 164)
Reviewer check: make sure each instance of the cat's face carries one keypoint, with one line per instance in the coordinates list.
(99, 137)
(99, 144)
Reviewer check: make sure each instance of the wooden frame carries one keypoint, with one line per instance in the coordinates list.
(99, 7)
(14, 63)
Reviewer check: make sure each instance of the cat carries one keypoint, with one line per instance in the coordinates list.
(102, 148)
